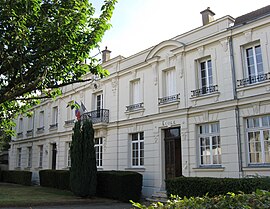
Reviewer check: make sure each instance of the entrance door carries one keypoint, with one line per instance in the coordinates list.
(173, 156)
(54, 151)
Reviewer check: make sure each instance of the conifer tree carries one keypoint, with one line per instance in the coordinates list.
(83, 171)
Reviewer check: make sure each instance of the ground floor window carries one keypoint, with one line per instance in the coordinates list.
(258, 139)
(99, 150)
(29, 157)
(68, 154)
(40, 156)
(209, 142)
(19, 157)
(137, 149)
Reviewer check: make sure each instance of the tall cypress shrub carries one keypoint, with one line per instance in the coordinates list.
(83, 170)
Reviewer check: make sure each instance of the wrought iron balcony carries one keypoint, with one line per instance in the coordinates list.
(20, 135)
(134, 107)
(253, 79)
(69, 122)
(54, 126)
(204, 90)
(169, 99)
(97, 116)
(29, 132)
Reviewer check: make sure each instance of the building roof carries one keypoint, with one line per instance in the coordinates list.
(252, 15)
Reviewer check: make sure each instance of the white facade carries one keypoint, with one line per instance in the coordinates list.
(195, 105)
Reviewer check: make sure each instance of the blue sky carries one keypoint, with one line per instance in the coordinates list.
(140, 24)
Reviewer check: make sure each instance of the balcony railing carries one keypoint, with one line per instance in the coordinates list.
(40, 129)
(29, 132)
(253, 79)
(169, 99)
(69, 122)
(97, 116)
(204, 90)
(133, 107)
(54, 126)
(20, 134)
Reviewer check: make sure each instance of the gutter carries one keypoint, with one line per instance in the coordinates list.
(237, 112)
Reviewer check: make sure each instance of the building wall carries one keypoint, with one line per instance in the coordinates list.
(228, 104)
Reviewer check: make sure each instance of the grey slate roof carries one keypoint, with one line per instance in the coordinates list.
(252, 15)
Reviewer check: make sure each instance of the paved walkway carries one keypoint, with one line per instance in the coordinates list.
(107, 205)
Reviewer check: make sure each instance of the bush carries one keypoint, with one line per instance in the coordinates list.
(199, 186)
(257, 200)
(121, 185)
(55, 178)
(17, 177)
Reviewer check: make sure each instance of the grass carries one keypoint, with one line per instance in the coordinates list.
(18, 195)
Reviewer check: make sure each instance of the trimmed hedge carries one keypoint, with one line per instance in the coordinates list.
(199, 186)
(55, 178)
(120, 185)
(17, 177)
(257, 200)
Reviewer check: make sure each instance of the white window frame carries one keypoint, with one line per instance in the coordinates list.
(19, 157)
(41, 119)
(209, 131)
(41, 151)
(55, 115)
(255, 60)
(99, 151)
(30, 123)
(137, 149)
(209, 77)
(29, 157)
(68, 145)
(259, 126)
(135, 92)
(169, 82)
(20, 129)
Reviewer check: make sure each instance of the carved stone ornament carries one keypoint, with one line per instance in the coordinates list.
(155, 77)
(248, 36)
(256, 108)
(224, 44)
(114, 83)
(201, 51)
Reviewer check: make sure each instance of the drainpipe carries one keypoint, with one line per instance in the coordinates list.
(237, 112)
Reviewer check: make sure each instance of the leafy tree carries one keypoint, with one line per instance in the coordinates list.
(83, 171)
(43, 46)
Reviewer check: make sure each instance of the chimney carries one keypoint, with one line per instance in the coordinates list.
(207, 16)
(105, 55)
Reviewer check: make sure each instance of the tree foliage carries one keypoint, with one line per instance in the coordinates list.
(43, 46)
(83, 171)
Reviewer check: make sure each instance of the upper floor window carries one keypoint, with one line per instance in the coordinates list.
(254, 61)
(169, 87)
(205, 78)
(258, 139)
(254, 72)
(99, 104)
(135, 96)
(137, 149)
(209, 141)
(170, 82)
(41, 119)
(20, 128)
(54, 118)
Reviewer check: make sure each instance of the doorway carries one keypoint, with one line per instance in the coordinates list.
(173, 155)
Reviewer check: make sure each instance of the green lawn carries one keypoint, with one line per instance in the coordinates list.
(18, 195)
